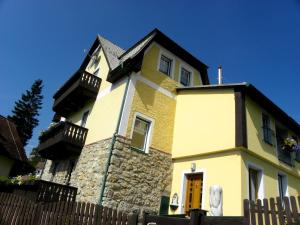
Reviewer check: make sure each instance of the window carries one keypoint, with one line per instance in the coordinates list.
(96, 72)
(84, 118)
(165, 65)
(282, 185)
(253, 184)
(267, 131)
(140, 134)
(69, 172)
(185, 77)
(54, 170)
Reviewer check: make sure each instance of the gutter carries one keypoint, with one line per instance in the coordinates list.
(113, 143)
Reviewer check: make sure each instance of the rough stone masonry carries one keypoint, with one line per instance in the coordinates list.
(135, 182)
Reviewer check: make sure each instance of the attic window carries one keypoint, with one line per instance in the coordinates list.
(185, 77)
(165, 65)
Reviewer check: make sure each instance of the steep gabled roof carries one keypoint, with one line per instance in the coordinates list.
(121, 62)
(133, 55)
(111, 51)
(10, 143)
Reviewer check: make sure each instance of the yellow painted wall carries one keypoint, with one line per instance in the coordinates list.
(204, 122)
(255, 140)
(270, 177)
(150, 70)
(104, 112)
(160, 108)
(219, 169)
(5, 165)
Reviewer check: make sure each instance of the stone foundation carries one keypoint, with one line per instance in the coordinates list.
(135, 182)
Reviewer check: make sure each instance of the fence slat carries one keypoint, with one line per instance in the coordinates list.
(92, 214)
(252, 213)
(273, 211)
(99, 211)
(295, 210)
(266, 212)
(280, 211)
(246, 212)
(114, 217)
(119, 219)
(104, 216)
(124, 218)
(109, 217)
(287, 211)
(81, 213)
(259, 213)
(74, 220)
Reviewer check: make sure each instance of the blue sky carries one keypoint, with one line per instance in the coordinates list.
(256, 41)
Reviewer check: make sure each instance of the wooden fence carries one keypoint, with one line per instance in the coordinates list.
(16, 210)
(272, 213)
(43, 191)
(267, 212)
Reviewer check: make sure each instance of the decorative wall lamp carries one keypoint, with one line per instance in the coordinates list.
(174, 202)
(193, 167)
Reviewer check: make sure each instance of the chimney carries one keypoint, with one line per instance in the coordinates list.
(220, 77)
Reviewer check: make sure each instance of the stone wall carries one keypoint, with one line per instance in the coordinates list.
(87, 174)
(89, 171)
(136, 181)
(61, 171)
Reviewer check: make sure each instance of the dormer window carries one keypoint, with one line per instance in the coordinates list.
(185, 77)
(165, 65)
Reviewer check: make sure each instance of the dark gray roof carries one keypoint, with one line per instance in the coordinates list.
(112, 52)
(130, 53)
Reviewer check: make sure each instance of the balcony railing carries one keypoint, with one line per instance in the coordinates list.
(62, 141)
(79, 89)
(284, 156)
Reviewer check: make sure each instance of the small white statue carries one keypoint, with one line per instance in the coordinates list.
(216, 200)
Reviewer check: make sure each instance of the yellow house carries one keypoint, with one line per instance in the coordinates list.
(231, 135)
(134, 127)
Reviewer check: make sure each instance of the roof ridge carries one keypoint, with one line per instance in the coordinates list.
(101, 37)
(138, 42)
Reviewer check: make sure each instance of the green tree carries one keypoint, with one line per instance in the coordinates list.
(26, 111)
(35, 157)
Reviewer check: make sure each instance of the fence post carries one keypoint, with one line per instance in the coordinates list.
(197, 216)
(133, 219)
(144, 220)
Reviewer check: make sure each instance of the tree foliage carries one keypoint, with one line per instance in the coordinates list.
(26, 111)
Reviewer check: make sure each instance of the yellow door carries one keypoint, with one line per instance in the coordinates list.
(193, 192)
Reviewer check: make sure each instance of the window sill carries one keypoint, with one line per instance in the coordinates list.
(138, 150)
(268, 142)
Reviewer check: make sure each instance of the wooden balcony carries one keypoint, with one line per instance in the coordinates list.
(74, 94)
(61, 141)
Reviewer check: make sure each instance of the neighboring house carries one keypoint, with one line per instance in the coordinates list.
(39, 169)
(135, 127)
(13, 160)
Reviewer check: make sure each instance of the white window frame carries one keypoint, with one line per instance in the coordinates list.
(150, 131)
(285, 183)
(261, 188)
(189, 69)
(183, 188)
(169, 56)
